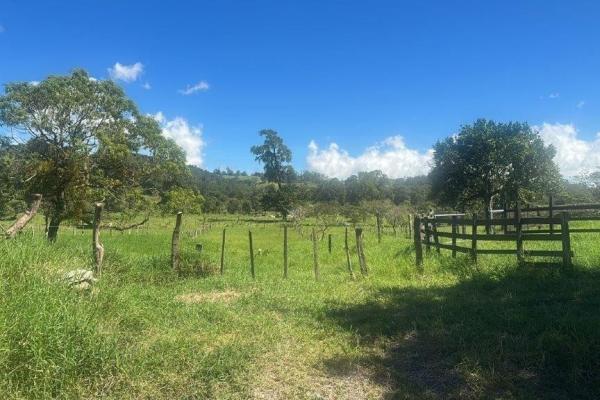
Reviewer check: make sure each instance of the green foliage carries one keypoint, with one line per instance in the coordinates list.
(182, 199)
(275, 157)
(87, 142)
(487, 160)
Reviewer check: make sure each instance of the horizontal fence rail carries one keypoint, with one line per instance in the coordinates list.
(515, 228)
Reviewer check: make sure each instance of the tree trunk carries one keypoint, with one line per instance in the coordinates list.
(24, 219)
(56, 216)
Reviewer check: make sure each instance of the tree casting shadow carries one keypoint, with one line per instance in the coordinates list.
(529, 333)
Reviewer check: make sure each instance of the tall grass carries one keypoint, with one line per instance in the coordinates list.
(455, 330)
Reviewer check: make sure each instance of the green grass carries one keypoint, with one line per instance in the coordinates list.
(492, 330)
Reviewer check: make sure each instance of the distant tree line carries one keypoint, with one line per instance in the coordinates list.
(77, 140)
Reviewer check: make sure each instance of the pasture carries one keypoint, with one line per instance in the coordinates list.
(454, 330)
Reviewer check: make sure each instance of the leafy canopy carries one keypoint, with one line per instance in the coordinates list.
(85, 141)
(489, 159)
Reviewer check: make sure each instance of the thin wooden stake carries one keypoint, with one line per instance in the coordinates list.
(315, 255)
(251, 255)
(223, 253)
(175, 256)
(329, 243)
(97, 247)
(551, 211)
(361, 253)
(285, 251)
(347, 248)
(436, 239)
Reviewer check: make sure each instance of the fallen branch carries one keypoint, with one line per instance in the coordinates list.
(24, 219)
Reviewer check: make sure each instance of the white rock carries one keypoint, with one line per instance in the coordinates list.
(80, 279)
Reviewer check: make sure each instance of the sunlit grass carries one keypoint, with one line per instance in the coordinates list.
(456, 329)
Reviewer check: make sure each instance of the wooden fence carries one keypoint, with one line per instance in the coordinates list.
(515, 226)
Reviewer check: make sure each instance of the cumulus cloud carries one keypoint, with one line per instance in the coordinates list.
(201, 86)
(147, 86)
(581, 104)
(574, 156)
(188, 137)
(126, 73)
(392, 157)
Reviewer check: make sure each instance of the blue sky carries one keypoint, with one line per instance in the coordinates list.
(373, 84)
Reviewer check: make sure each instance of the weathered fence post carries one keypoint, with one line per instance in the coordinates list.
(223, 253)
(427, 237)
(454, 232)
(24, 219)
(378, 219)
(551, 211)
(315, 254)
(436, 239)
(251, 255)
(361, 253)
(519, 233)
(97, 247)
(347, 248)
(474, 239)
(505, 217)
(417, 239)
(285, 251)
(566, 239)
(175, 256)
(329, 243)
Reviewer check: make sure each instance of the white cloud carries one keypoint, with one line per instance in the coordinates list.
(34, 83)
(185, 135)
(126, 73)
(574, 156)
(2, 28)
(392, 157)
(147, 86)
(554, 95)
(581, 104)
(201, 86)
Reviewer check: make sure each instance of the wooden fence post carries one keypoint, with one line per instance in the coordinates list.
(97, 247)
(347, 248)
(285, 251)
(378, 219)
(519, 232)
(505, 217)
(417, 239)
(551, 211)
(454, 232)
(175, 256)
(329, 243)
(251, 255)
(223, 253)
(361, 254)
(566, 239)
(427, 237)
(315, 254)
(474, 239)
(436, 239)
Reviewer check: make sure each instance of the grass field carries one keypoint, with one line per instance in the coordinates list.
(493, 330)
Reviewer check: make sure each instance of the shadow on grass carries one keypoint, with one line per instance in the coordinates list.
(527, 333)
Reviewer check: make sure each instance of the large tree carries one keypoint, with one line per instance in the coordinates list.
(276, 157)
(85, 140)
(489, 160)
